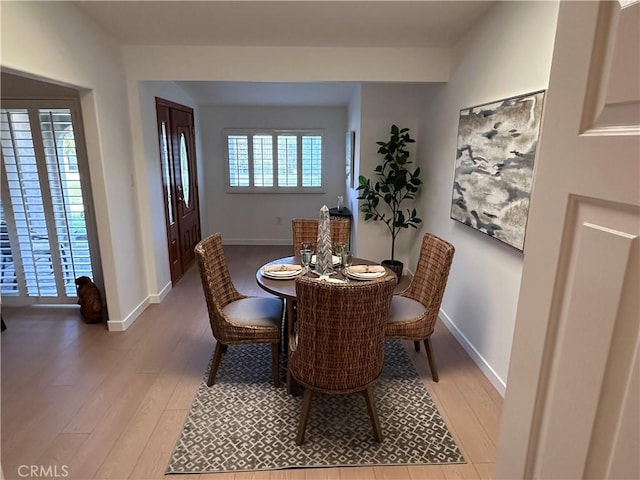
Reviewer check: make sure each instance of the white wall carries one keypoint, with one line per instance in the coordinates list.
(507, 53)
(381, 106)
(249, 218)
(288, 64)
(267, 64)
(55, 42)
(354, 116)
(149, 179)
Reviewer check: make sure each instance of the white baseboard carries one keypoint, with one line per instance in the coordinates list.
(256, 241)
(122, 325)
(163, 293)
(489, 372)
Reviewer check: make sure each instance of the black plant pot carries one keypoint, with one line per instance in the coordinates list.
(396, 266)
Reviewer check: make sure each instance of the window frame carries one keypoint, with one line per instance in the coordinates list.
(274, 133)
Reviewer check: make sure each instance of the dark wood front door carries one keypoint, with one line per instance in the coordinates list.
(179, 182)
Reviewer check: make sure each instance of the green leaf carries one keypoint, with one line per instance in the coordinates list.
(393, 183)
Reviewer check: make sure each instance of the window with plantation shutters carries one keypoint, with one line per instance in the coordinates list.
(45, 236)
(274, 160)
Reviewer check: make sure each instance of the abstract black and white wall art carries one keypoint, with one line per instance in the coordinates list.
(494, 166)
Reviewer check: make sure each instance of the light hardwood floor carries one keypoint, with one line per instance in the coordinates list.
(110, 405)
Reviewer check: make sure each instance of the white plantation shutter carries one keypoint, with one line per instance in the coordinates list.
(274, 160)
(43, 210)
(263, 161)
(287, 161)
(238, 160)
(311, 160)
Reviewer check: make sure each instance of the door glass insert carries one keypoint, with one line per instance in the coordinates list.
(184, 170)
(166, 177)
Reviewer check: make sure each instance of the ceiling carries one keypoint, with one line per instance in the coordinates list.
(290, 23)
(333, 94)
(284, 23)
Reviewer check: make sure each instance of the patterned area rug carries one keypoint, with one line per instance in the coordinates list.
(245, 423)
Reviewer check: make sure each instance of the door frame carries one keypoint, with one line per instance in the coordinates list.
(571, 405)
(174, 232)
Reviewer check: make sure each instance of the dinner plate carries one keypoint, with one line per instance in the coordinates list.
(278, 276)
(334, 259)
(286, 273)
(363, 275)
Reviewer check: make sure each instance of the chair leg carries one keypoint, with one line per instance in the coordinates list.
(284, 338)
(217, 356)
(373, 413)
(304, 415)
(275, 360)
(417, 345)
(432, 362)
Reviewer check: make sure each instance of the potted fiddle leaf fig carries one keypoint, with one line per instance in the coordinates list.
(394, 182)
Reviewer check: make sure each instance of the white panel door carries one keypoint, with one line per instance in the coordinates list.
(572, 404)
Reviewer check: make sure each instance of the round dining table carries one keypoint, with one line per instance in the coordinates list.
(286, 289)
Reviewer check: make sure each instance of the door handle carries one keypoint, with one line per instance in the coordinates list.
(180, 194)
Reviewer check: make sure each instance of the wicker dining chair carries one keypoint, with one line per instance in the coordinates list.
(414, 311)
(235, 318)
(305, 230)
(339, 344)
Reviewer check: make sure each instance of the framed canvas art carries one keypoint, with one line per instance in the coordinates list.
(497, 144)
(350, 140)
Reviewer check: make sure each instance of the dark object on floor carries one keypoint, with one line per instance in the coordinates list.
(3, 326)
(89, 300)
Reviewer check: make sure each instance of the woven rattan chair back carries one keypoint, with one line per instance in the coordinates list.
(218, 288)
(305, 230)
(339, 346)
(430, 279)
(426, 287)
(340, 336)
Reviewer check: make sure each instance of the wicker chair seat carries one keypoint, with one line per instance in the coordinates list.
(407, 319)
(261, 313)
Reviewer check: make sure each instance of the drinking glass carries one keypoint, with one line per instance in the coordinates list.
(339, 249)
(347, 258)
(305, 259)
